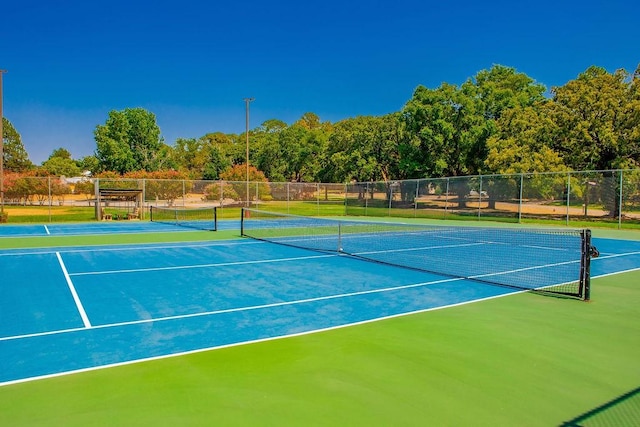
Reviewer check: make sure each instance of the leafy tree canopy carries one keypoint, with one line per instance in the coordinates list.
(598, 120)
(62, 153)
(498, 121)
(128, 141)
(60, 166)
(15, 157)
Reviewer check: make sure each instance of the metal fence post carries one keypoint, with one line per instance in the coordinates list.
(415, 200)
(620, 202)
(520, 198)
(479, 197)
(446, 200)
(366, 200)
(390, 193)
(221, 195)
(568, 196)
(50, 197)
(184, 195)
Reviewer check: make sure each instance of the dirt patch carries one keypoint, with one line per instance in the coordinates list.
(37, 210)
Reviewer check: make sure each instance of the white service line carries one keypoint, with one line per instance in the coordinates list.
(76, 298)
(242, 308)
(47, 230)
(188, 267)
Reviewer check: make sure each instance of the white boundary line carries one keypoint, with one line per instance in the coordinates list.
(200, 350)
(76, 298)
(237, 309)
(47, 230)
(615, 255)
(297, 334)
(88, 324)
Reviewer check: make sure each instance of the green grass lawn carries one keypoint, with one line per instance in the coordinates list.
(520, 360)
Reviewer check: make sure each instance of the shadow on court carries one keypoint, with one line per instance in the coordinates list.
(622, 411)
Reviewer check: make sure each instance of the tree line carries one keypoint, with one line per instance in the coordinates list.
(499, 121)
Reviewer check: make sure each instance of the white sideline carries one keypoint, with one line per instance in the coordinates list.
(76, 298)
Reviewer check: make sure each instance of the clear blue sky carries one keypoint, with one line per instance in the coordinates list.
(191, 63)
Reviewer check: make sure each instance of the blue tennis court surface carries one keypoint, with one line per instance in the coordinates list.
(104, 227)
(72, 309)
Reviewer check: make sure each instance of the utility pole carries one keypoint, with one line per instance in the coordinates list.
(246, 107)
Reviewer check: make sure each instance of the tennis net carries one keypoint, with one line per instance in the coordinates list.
(198, 218)
(549, 260)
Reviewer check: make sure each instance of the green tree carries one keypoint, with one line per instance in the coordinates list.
(597, 119)
(202, 158)
(16, 158)
(129, 141)
(289, 153)
(448, 128)
(60, 163)
(265, 151)
(502, 89)
(164, 159)
(190, 155)
(235, 184)
(216, 162)
(309, 121)
(287, 156)
(523, 143)
(364, 148)
(62, 153)
(59, 166)
(166, 186)
(89, 163)
(447, 131)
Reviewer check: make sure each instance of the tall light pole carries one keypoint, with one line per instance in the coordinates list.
(1, 153)
(246, 107)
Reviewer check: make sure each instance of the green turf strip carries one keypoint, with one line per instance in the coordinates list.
(525, 360)
(115, 239)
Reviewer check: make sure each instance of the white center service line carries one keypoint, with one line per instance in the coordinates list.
(46, 229)
(76, 298)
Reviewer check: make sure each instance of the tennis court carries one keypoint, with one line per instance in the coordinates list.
(99, 228)
(78, 308)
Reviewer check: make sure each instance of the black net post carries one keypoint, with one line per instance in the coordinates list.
(585, 266)
(242, 214)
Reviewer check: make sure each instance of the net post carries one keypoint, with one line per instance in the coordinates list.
(151, 213)
(242, 222)
(585, 266)
(215, 218)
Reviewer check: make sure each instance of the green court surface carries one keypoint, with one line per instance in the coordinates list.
(524, 359)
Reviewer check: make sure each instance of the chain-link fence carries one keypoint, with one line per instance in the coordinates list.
(47, 199)
(604, 196)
